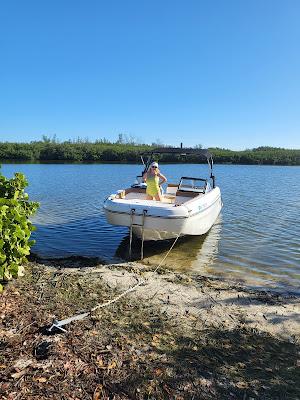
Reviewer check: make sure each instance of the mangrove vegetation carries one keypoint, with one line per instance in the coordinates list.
(128, 150)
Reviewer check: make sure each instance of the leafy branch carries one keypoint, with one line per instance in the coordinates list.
(15, 227)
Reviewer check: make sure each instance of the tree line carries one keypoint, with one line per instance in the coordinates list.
(124, 150)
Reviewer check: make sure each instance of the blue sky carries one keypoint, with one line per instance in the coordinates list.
(218, 73)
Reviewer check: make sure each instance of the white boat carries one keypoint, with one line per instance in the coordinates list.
(189, 207)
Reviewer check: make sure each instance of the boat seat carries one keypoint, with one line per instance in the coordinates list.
(168, 198)
(171, 189)
(135, 195)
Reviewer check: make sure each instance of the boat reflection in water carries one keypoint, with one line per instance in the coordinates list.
(190, 254)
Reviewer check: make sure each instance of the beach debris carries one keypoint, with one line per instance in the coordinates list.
(22, 363)
(42, 350)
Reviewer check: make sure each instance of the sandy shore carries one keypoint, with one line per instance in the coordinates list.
(174, 337)
(211, 301)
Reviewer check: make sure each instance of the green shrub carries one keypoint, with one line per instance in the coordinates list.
(15, 227)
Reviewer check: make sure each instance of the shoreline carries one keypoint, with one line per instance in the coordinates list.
(221, 301)
(92, 162)
(80, 262)
(176, 336)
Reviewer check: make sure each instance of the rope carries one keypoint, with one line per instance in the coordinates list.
(131, 289)
(58, 324)
(169, 251)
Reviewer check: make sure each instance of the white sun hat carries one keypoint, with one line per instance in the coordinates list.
(154, 164)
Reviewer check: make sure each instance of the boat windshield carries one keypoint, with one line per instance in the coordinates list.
(188, 184)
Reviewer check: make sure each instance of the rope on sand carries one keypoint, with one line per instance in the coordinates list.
(57, 325)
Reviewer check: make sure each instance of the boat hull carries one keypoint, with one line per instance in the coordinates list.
(166, 222)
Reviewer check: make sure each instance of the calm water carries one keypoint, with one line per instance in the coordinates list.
(256, 239)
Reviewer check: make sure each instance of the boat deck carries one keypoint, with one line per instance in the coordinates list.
(141, 198)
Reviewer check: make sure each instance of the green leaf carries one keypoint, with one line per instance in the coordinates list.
(14, 268)
(7, 275)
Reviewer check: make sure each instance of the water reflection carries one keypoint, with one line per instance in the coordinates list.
(191, 253)
(210, 248)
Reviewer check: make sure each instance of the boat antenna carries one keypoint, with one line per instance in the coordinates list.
(212, 177)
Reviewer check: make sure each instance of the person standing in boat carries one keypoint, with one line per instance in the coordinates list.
(154, 180)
